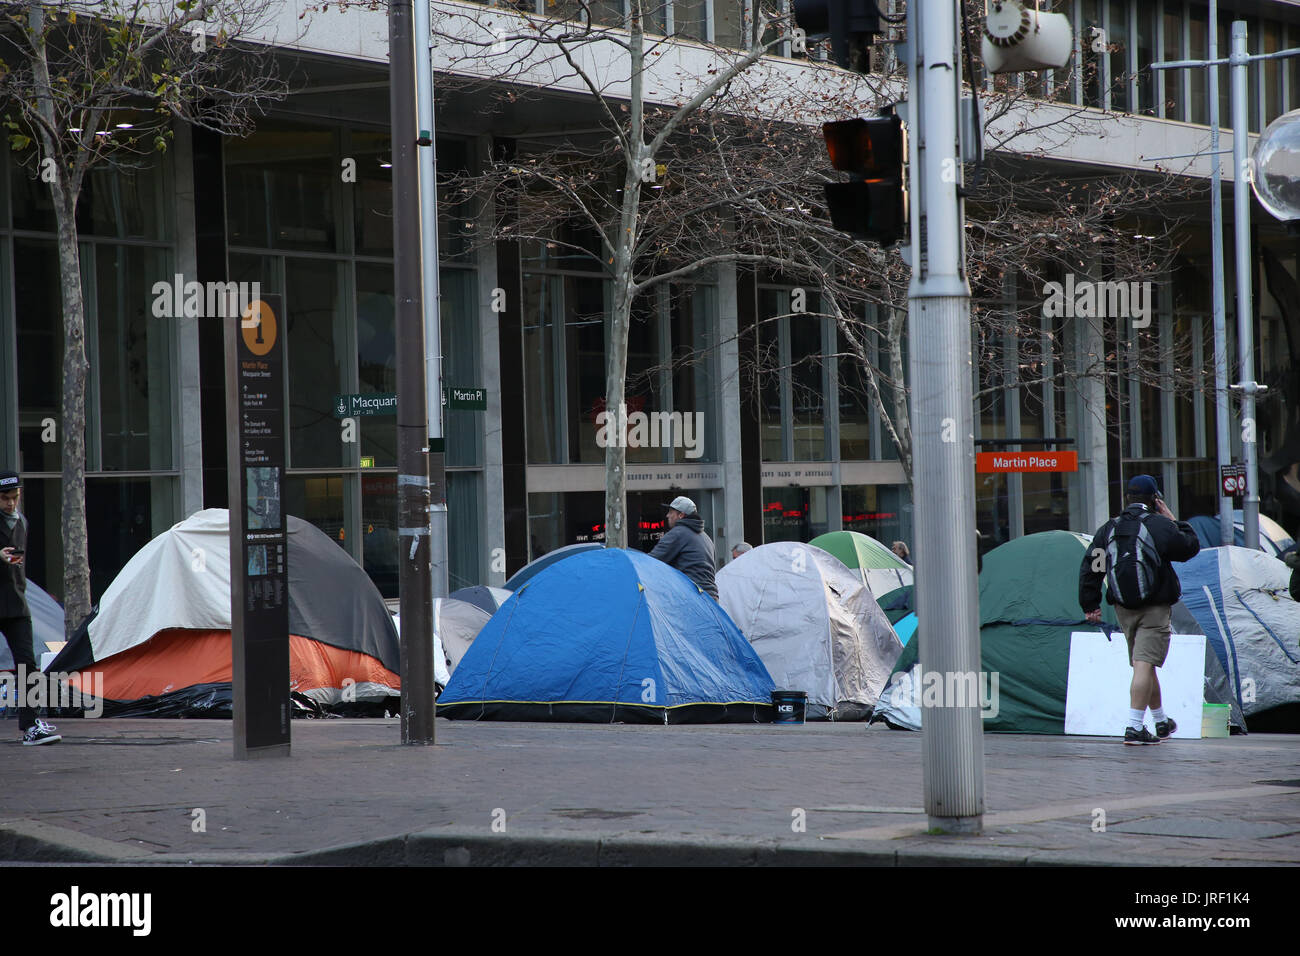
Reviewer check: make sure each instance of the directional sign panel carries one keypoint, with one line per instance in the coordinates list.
(259, 552)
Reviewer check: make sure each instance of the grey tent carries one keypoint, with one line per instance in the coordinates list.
(814, 623)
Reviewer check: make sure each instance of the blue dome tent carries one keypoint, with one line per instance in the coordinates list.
(610, 635)
(540, 564)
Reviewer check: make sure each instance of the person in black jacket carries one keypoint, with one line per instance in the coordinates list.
(15, 615)
(686, 547)
(1145, 618)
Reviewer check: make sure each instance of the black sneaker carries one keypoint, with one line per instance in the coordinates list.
(1137, 737)
(36, 735)
(1165, 727)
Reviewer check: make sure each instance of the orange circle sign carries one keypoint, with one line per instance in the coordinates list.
(259, 328)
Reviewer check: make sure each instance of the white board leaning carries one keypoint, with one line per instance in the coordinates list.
(1096, 690)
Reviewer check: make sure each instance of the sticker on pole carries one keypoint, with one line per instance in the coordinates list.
(1232, 479)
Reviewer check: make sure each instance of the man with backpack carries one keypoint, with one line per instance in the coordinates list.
(1133, 552)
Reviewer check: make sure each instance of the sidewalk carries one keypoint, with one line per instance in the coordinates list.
(127, 791)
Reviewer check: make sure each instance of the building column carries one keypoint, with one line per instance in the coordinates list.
(494, 503)
(732, 519)
(751, 429)
(188, 409)
(1094, 464)
(508, 417)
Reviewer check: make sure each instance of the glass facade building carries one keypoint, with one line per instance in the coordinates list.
(774, 428)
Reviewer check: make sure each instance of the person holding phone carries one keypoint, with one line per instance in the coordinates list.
(15, 615)
(1134, 552)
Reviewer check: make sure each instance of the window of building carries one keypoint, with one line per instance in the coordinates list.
(1144, 49)
(135, 370)
(38, 312)
(1272, 72)
(881, 511)
(691, 19)
(1198, 27)
(280, 188)
(319, 499)
(1092, 69)
(730, 22)
(792, 375)
(317, 345)
(1120, 72)
(855, 395)
(794, 513)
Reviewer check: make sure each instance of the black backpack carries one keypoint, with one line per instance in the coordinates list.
(1133, 562)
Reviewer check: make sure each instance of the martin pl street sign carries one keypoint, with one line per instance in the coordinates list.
(473, 399)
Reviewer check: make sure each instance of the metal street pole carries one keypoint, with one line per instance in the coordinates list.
(1239, 70)
(943, 456)
(432, 299)
(414, 576)
(1223, 444)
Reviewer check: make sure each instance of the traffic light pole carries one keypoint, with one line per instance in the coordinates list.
(1238, 71)
(943, 454)
(432, 300)
(414, 580)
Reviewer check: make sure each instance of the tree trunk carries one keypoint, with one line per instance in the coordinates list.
(65, 188)
(76, 561)
(902, 419)
(616, 532)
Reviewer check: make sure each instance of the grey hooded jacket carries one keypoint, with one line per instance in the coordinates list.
(688, 549)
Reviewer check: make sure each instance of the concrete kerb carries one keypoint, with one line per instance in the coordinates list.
(29, 842)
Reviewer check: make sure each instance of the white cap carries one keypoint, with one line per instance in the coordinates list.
(683, 504)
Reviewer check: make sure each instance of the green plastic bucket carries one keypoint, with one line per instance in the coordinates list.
(1214, 720)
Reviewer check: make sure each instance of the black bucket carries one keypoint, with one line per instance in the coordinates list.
(789, 706)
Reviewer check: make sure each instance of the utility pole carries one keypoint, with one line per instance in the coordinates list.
(432, 299)
(943, 482)
(1239, 68)
(413, 498)
(1223, 444)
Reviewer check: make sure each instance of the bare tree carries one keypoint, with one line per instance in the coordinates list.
(609, 180)
(738, 178)
(95, 84)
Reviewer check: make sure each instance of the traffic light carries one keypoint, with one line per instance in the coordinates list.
(850, 24)
(873, 204)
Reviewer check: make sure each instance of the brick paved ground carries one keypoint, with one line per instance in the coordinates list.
(126, 791)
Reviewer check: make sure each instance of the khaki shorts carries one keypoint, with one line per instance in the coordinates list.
(1147, 632)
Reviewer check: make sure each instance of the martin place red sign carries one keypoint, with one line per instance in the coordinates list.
(1023, 461)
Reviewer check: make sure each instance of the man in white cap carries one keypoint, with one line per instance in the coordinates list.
(686, 547)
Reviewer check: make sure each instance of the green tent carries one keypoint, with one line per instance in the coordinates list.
(881, 569)
(1029, 606)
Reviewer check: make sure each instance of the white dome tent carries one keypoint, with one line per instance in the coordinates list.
(814, 623)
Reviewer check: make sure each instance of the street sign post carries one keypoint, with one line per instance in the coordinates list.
(259, 546)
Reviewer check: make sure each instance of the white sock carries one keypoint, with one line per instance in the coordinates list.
(1158, 715)
(1135, 718)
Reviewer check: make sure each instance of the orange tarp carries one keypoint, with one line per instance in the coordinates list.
(177, 658)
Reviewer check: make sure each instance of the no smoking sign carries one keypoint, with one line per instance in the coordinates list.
(1232, 479)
